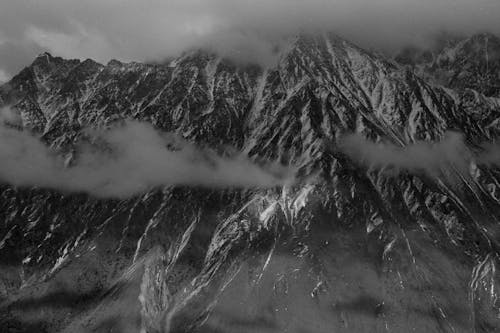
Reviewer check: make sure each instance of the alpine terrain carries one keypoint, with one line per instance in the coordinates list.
(346, 247)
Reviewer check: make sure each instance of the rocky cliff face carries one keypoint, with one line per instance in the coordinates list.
(470, 63)
(345, 249)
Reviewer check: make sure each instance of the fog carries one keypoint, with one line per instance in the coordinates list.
(434, 159)
(247, 31)
(123, 161)
(428, 157)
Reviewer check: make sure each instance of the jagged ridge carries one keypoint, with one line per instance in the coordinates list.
(183, 245)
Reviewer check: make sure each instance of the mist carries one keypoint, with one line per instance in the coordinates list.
(248, 31)
(434, 159)
(124, 161)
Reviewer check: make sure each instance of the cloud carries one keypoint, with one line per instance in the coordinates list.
(124, 161)
(450, 157)
(245, 30)
(431, 158)
(490, 154)
(9, 117)
(4, 77)
(91, 45)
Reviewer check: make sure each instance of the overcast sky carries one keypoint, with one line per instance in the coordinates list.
(246, 29)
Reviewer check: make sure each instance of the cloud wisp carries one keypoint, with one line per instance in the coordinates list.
(445, 157)
(131, 159)
(421, 157)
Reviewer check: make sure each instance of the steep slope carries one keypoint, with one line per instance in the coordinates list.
(468, 63)
(347, 248)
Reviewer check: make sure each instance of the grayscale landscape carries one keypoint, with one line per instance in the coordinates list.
(231, 166)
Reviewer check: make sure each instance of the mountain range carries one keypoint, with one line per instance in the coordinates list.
(348, 247)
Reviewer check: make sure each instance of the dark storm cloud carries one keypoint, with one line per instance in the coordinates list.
(244, 30)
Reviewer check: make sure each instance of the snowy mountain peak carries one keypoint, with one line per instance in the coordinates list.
(366, 245)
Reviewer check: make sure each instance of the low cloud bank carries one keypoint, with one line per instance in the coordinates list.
(431, 158)
(131, 159)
